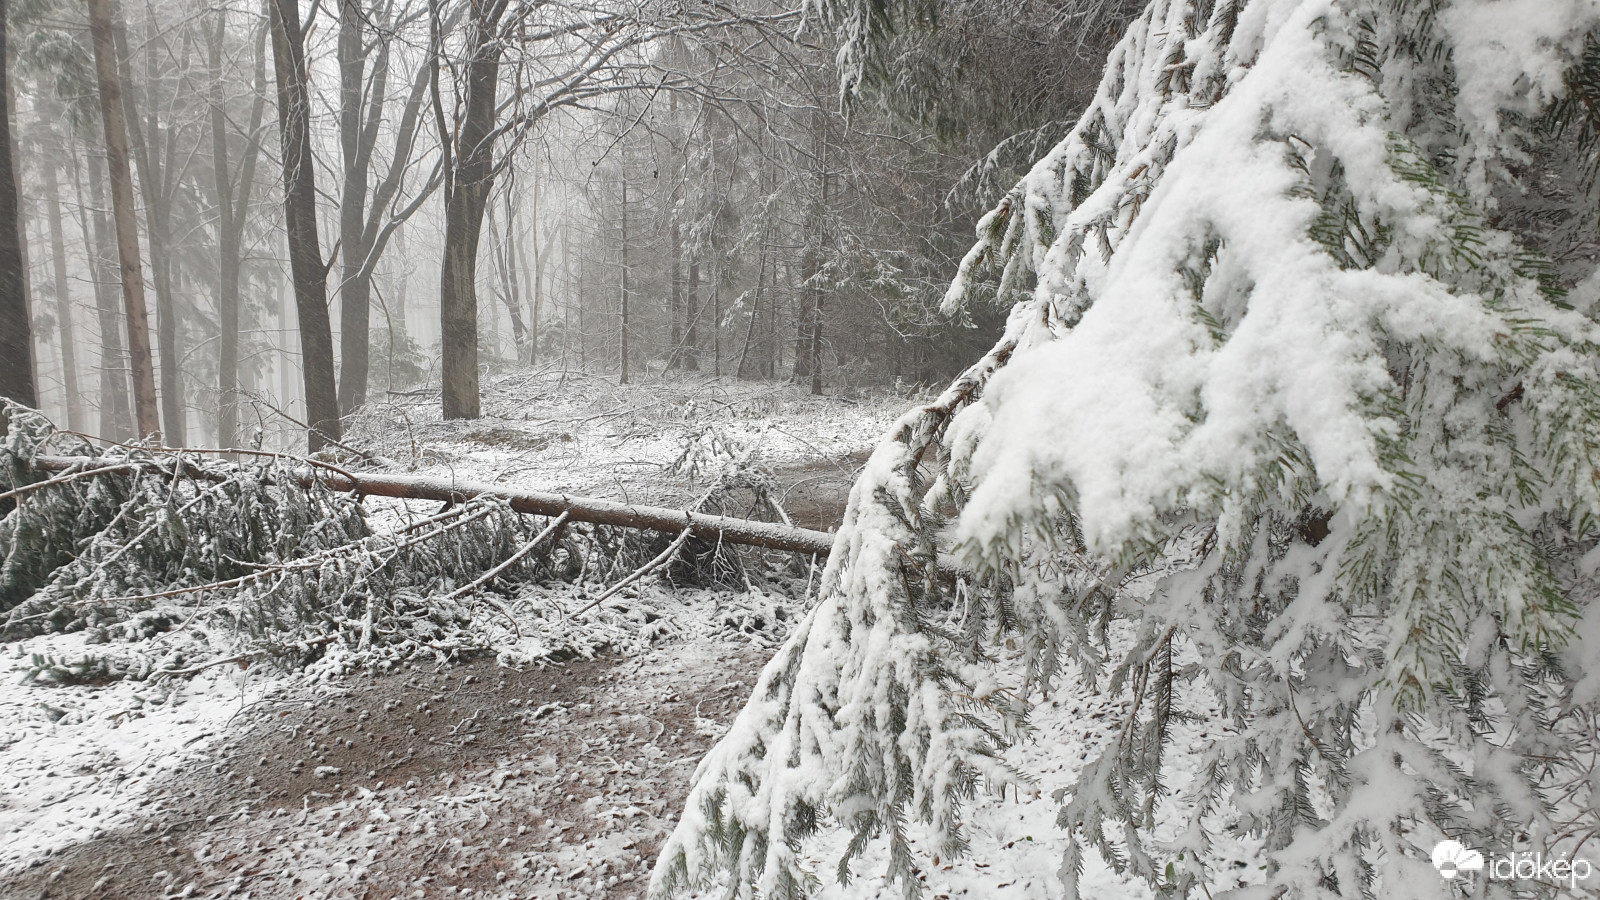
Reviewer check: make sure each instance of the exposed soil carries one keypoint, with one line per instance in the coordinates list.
(474, 780)
(814, 493)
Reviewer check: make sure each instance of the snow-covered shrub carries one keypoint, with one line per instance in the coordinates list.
(1309, 340)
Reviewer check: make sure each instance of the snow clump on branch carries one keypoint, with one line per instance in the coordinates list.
(1303, 330)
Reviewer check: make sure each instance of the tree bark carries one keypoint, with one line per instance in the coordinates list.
(746, 532)
(16, 330)
(355, 292)
(505, 256)
(675, 307)
(308, 270)
(153, 169)
(624, 310)
(466, 200)
(116, 422)
(146, 419)
(77, 418)
(691, 315)
(232, 209)
(534, 269)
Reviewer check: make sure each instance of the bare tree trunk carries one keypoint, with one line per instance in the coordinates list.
(146, 418)
(153, 170)
(624, 378)
(566, 304)
(675, 308)
(710, 528)
(505, 256)
(536, 273)
(808, 337)
(744, 369)
(583, 336)
(231, 212)
(466, 200)
(805, 314)
(309, 271)
(691, 312)
(16, 330)
(77, 418)
(816, 289)
(116, 420)
(355, 292)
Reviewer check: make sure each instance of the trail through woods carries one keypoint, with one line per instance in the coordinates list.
(552, 776)
(549, 766)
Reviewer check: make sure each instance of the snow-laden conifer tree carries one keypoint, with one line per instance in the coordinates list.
(1304, 335)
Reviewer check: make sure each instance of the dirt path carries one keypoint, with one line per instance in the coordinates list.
(815, 492)
(474, 780)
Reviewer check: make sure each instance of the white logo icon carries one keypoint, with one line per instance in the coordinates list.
(1451, 859)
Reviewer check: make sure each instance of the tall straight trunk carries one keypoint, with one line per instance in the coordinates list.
(691, 319)
(716, 321)
(803, 313)
(745, 369)
(675, 307)
(355, 291)
(808, 337)
(154, 171)
(231, 212)
(116, 414)
(505, 256)
(16, 331)
(624, 378)
(77, 417)
(146, 419)
(566, 303)
(815, 350)
(288, 380)
(307, 268)
(583, 333)
(466, 200)
(816, 289)
(535, 272)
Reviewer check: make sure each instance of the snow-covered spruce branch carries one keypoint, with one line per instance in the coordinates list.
(829, 724)
(1293, 334)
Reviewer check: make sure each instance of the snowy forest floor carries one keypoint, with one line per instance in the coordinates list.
(550, 768)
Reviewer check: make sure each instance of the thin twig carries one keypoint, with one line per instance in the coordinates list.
(313, 562)
(512, 560)
(71, 476)
(639, 573)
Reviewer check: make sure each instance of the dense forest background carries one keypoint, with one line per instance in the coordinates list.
(242, 219)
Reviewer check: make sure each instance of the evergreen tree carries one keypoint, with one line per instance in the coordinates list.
(1299, 335)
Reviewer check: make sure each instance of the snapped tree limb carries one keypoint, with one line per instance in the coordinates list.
(769, 535)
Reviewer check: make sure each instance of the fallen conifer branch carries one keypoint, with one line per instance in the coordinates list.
(664, 557)
(595, 511)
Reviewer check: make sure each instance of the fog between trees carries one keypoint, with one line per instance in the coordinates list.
(241, 220)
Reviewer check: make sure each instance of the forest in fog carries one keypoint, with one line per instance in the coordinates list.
(239, 219)
(1001, 448)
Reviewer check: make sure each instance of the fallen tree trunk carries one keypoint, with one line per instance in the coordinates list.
(769, 535)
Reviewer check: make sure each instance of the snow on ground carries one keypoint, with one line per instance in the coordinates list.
(1016, 846)
(551, 771)
(76, 762)
(580, 434)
